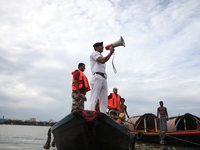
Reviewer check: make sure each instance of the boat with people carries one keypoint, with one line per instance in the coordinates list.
(182, 130)
(91, 130)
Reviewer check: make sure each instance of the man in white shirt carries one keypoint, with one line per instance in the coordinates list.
(99, 89)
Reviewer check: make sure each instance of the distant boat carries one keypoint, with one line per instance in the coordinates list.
(91, 130)
(2, 120)
(182, 130)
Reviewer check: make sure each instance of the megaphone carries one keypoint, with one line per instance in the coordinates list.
(120, 42)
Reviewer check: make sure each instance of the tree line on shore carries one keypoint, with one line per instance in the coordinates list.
(37, 123)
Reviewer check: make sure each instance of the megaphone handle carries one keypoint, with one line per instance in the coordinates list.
(115, 71)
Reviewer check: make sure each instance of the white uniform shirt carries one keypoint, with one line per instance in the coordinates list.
(95, 65)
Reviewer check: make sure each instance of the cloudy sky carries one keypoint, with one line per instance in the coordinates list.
(42, 42)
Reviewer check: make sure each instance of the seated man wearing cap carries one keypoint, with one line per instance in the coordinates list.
(99, 90)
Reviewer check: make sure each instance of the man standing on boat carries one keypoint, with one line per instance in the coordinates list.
(114, 104)
(99, 89)
(80, 86)
(162, 111)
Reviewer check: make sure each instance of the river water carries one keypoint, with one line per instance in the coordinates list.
(20, 137)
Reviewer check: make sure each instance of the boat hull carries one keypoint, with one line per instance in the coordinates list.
(91, 130)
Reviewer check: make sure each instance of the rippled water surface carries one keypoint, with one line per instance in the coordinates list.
(15, 137)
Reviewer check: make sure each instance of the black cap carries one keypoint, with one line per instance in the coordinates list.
(97, 44)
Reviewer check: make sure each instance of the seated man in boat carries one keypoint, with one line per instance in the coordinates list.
(123, 108)
(122, 112)
(80, 86)
(162, 111)
(114, 103)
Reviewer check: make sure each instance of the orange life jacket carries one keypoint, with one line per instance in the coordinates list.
(82, 82)
(114, 102)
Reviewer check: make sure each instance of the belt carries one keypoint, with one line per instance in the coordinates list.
(102, 74)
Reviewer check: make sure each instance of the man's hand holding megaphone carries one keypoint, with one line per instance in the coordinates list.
(112, 50)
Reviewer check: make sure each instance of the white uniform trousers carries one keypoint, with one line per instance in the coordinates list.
(99, 91)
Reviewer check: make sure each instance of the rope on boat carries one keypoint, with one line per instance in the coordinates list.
(48, 142)
(166, 135)
(183, 140)
(47, 145)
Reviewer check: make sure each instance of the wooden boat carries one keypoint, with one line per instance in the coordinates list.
(91, 130)
(182, 130)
